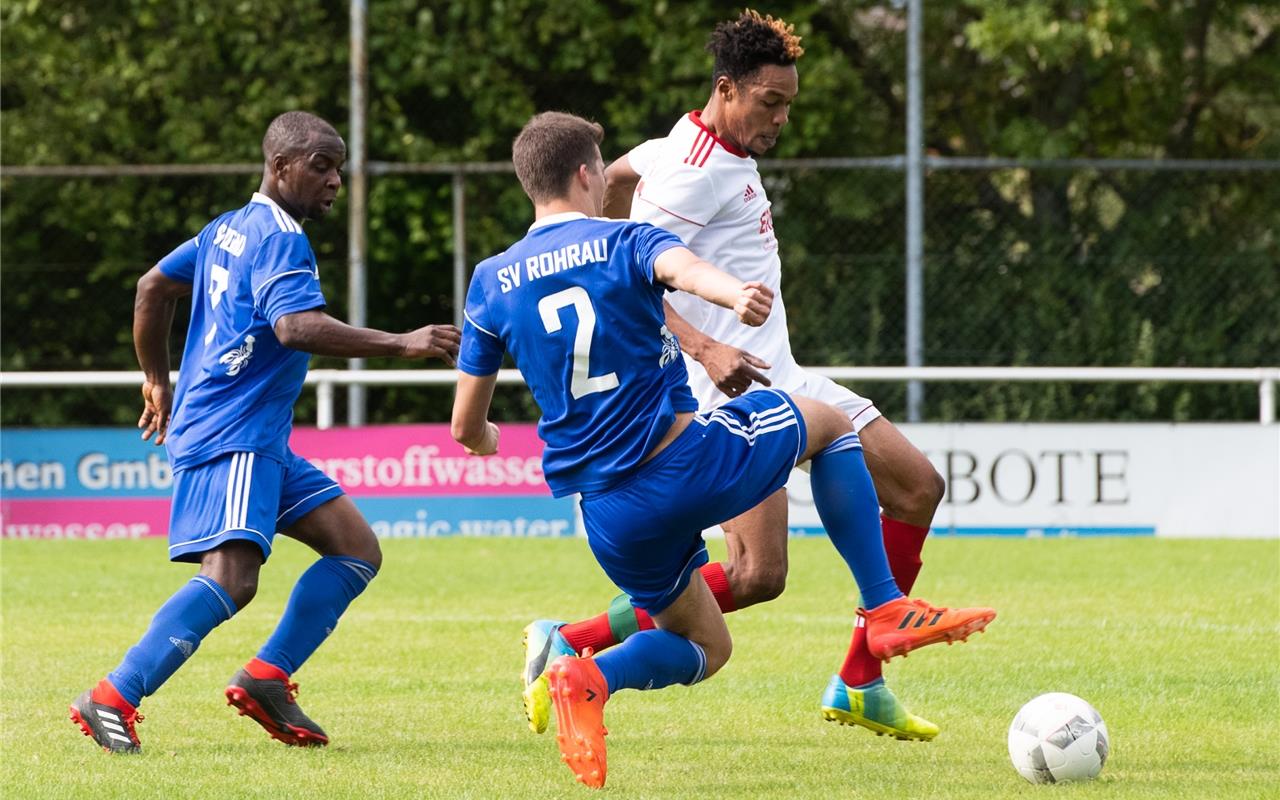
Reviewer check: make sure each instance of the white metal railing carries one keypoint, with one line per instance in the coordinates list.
(325, 380)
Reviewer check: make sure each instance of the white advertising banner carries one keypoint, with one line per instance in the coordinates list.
(1206, 480)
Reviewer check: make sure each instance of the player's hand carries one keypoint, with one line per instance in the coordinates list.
(733, 370)
(489, 444)
(157, 402)
(433, 341)
(754, 303)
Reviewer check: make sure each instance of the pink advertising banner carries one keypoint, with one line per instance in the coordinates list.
(389, 460)
(410, 481)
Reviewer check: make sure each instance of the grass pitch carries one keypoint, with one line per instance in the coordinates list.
(1175, 642)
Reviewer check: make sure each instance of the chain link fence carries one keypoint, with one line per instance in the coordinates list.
(1059, 263)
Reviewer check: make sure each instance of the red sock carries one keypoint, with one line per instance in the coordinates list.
(261, 670)
(593, 632)
(623, 619)
(902, 544)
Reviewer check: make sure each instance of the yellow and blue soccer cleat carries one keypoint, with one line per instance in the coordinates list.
(874, 707)
(542, 645)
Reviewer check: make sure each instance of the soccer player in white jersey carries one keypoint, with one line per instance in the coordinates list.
(701, 182)
(256, 316)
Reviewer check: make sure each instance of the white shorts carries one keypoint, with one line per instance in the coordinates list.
(794, 381)
(861, 411)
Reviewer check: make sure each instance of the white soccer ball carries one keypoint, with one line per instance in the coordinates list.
(1058, 737)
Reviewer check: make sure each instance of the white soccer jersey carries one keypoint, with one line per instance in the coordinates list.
(709, 193)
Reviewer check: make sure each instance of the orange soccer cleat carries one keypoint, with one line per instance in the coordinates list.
(578, 691)
(900, 626)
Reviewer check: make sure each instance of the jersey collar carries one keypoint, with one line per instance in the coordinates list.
(259, 197)
(696, 117)
(556, 219)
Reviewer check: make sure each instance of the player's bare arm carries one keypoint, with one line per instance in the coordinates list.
(153, 310)
(680, 269)
(620, 184)
(470, 426)
(731, 369)
(316, 332)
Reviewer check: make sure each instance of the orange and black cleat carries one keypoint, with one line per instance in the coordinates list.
(107, 717)
(578, 692)
(900, 626)
(265, 694)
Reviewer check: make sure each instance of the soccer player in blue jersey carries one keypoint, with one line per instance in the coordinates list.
(257, 312)
(578, 304)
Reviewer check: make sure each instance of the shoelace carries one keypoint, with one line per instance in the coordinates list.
(291, 691)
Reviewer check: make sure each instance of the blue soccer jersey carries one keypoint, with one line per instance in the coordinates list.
(238, 384)
(576, 304)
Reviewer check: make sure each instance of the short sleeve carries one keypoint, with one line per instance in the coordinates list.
(180, 265)
(647, 243)
(682, 201)
(285, 277)
(642, 155)
(482, 349)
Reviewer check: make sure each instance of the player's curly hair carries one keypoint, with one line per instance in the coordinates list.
(743, 45)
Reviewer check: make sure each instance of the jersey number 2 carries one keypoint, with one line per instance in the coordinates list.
(549, 307)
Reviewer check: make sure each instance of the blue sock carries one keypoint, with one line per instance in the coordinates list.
(652, 659)
(175, 633)
(846, 501)
(321, 595)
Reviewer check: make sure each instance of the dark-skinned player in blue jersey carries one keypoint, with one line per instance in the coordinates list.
(256, 315)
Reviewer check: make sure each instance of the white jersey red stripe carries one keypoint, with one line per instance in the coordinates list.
(709, 193)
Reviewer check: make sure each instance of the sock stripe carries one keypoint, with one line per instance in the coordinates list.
(363, 569)
(702, 664)
(218, 592)
(849, 441)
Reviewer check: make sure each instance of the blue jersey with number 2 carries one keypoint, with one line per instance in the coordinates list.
(576, 304)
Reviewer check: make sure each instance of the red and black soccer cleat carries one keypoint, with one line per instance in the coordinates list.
(265, 694)
(107, 717)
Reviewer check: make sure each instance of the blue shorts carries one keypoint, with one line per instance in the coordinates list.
(646, 532)
(242, 496)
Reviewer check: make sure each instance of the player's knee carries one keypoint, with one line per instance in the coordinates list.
(372, 551)
(242, 587)
(717, 651)
(919, 499)
(759, 584)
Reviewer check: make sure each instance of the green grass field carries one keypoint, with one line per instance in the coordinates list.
(1175, 642)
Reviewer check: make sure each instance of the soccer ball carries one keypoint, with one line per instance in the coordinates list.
(1058, 737)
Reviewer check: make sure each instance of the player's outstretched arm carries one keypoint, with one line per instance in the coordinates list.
(680, 269)
(731, 369)
(316, 332)
(153, 310)
(471, 427)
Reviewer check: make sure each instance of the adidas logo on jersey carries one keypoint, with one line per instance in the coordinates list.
(749, 194)
(237, 358)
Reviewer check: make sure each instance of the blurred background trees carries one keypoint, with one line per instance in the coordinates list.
(1043, 265)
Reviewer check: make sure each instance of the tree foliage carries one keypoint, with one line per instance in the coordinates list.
(1023, 266)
